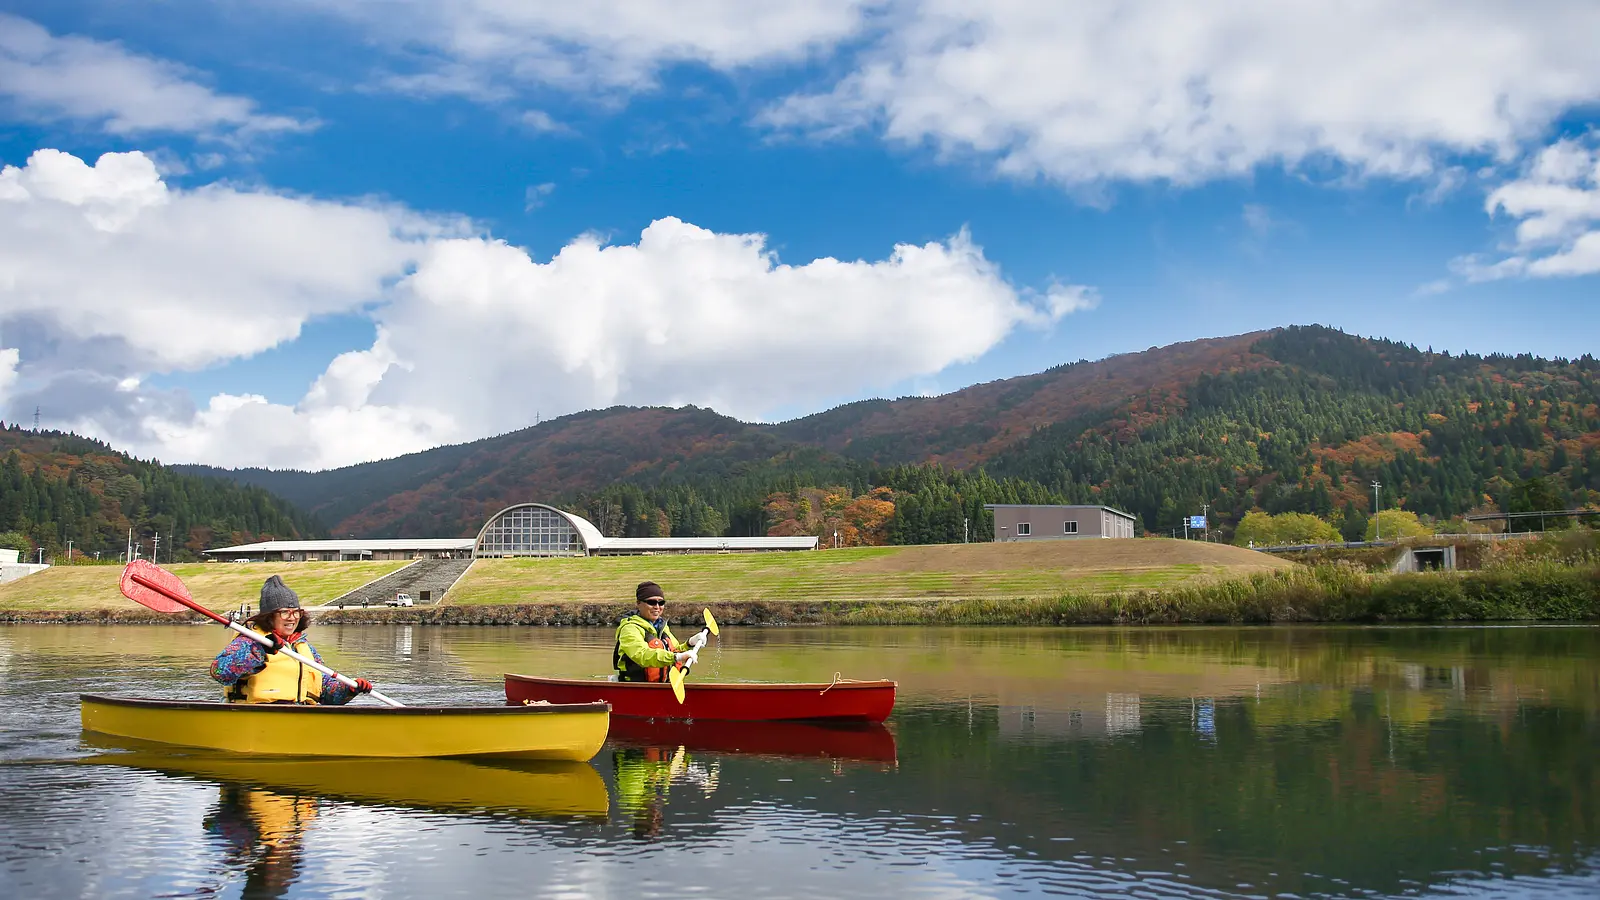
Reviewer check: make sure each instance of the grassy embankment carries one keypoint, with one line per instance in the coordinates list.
(91, 590)
(1095, 582)
(969, 571)
(1090, 582)
(1555, 578)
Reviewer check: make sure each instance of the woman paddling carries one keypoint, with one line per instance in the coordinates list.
(255, 673)
(645, 645)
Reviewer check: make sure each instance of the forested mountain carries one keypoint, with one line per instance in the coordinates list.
(1330, 414)
(1298, 419)
(56, 488)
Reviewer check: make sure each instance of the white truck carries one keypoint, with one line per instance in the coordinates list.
(400, 599)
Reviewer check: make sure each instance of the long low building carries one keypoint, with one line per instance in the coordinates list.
(526, 529)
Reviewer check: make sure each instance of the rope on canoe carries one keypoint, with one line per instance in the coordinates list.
(838, 681)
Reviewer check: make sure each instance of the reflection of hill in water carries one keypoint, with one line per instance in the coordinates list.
(1349, 805)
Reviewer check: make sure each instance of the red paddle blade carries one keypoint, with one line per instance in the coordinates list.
(155, 587)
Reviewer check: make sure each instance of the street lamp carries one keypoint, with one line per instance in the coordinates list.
(1377, 524)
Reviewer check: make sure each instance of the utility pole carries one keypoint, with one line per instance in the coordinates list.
(1377, 525)
(69, 553)
(155, 547)
(36, 420)
(1205, 515)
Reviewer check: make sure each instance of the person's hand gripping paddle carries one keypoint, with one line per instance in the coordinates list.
(151, 586)
(676, 673)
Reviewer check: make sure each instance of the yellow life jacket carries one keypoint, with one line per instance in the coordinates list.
(278, 817)
(283, 680)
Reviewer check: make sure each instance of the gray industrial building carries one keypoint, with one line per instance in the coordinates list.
(1024, 522)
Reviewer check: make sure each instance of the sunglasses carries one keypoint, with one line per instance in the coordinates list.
(656, 602)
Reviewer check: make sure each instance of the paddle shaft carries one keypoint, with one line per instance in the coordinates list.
(259, 638)
(676, 673)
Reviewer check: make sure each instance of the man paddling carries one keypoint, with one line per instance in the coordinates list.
(645, 646)
(255, 673)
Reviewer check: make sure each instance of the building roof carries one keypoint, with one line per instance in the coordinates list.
(597, 542)
(348, 546)
(804, 542)
(1110, 509)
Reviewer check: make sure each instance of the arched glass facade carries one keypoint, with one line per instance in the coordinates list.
(530, 531)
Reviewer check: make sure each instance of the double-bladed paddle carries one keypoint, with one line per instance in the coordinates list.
(153, 587)
(676, 673)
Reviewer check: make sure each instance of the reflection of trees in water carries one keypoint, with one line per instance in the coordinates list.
(263, 834)
(1286, 805)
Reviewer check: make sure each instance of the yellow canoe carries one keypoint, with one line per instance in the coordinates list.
(535, 787)
(570, 731)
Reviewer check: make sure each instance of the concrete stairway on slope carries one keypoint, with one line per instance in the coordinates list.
(426, 580)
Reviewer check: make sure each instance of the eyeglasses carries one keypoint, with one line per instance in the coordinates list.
(656, 602)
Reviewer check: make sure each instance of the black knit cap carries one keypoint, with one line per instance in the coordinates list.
(646, 590)
(276, 595)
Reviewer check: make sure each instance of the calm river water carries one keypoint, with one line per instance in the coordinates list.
(1335, 762)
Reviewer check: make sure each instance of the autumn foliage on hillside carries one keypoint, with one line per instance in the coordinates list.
(56, 488)
(1296, 420)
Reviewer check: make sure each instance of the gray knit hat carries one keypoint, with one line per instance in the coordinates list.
(276, 595)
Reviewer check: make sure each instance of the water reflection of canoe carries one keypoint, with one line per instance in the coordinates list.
(843, 701)
(868, 741)
(571, 732)
(531, 788)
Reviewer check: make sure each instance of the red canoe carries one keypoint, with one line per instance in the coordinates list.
(842, 701)
(856, 741)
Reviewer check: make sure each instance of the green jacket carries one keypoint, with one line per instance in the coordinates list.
(633, 636)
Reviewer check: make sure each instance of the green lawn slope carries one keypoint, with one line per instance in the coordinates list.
(988, 570)
(219, 586)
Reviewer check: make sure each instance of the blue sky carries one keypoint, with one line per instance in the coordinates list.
(331, 232)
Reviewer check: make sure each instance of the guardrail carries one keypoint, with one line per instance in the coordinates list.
(1445, 538)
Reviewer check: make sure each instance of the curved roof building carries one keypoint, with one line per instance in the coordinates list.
(522, 529)
(534, 529)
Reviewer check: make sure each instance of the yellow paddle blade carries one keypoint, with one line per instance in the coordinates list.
(675, 678)
(711, 623)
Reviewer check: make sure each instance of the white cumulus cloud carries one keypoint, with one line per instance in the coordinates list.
(1556, 202)
(1081, 93)
(49, 77)
(9, 357)
(475, 46)
(1185, 92)
(109, 276)
(687, 315)
(184, 279)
